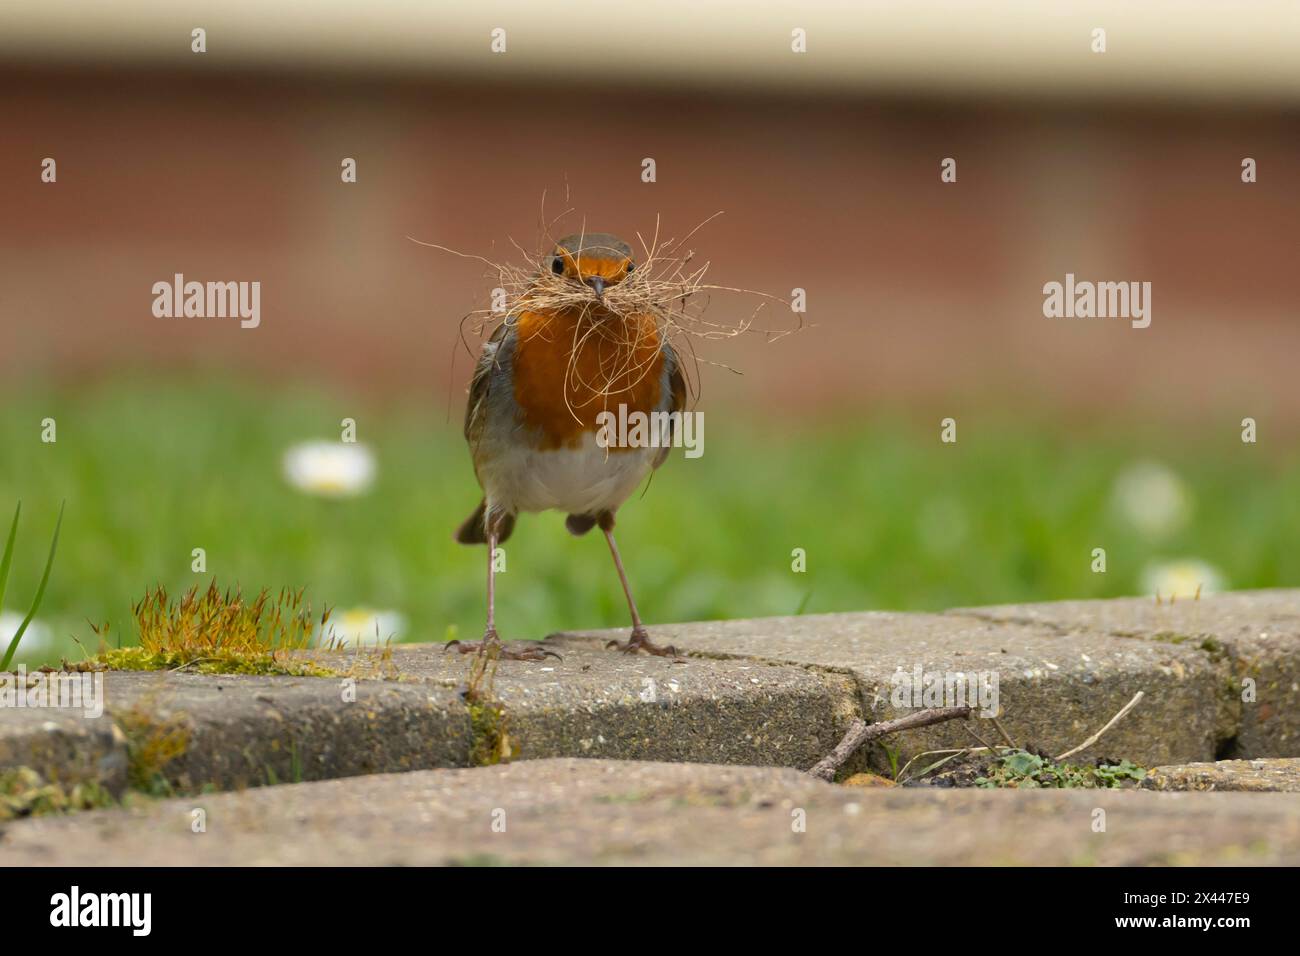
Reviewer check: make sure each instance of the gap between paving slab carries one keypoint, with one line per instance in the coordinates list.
(619, 812)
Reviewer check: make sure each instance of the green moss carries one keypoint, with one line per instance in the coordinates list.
(25, 793)
(264, 662)
(151, 744)
(218, 632)
(1210, 645)
(489, 743)
(1215, 648)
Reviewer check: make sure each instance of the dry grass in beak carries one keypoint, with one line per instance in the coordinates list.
(665, 286)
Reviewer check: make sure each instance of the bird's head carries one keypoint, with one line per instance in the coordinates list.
(595, 259)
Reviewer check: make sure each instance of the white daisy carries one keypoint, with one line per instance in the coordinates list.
(1181, 579)
(330, 469)
(360, 626)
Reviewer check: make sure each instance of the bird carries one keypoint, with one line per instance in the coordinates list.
(534, 416)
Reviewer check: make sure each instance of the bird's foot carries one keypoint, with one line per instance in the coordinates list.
(640, 641)
(494, 646)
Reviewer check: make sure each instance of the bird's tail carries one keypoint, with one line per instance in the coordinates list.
(473, 530)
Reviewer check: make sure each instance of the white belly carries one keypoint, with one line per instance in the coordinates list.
(581, 481)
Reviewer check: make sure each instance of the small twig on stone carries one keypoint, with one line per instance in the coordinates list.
(987, 746)
(1005, 736)
(859, 733)
(1109, 724)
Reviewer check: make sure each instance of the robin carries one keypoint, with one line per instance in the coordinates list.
(534, 417)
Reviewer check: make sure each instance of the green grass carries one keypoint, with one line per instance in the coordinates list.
(9, 644)
(888, 516)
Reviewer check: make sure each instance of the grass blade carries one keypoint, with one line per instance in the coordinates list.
(9, 555)
(40, 594)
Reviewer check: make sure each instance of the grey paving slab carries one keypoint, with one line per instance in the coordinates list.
(1257, 633)
(619, 812)
(63, 747)
(1055, 686)
(242, 731)
(1279, 775)
(769, 692)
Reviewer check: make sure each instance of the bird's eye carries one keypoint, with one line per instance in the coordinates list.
(630, 267)
(557, 265)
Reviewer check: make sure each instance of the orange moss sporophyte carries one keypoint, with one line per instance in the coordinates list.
(218, 632)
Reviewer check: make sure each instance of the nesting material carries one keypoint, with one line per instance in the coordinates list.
(666, 296)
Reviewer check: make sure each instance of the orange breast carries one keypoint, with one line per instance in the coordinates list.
(571, 366)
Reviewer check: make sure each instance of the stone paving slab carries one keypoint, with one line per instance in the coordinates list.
(600, 703)
(1258, 776)
(243, 731)
(1257, 633)
(251, 731)
(613, 812)
(771, 692)
(240, 731)
(1056, 686)
(63, 747)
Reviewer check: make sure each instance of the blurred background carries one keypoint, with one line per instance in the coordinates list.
(924, 298)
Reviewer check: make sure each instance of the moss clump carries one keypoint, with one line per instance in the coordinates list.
(1216, 649)
(25, 793)
(216, 632)
(490, 741)
(151, 744)
(1210, 645)
(266, 663)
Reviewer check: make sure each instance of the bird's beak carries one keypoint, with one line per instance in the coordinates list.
(597, 283)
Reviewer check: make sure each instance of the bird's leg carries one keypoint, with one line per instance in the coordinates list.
(490, 631)
(492, 642)
(640, 639)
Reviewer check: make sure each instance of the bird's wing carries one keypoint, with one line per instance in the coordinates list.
(488, 359)
(676, 392)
